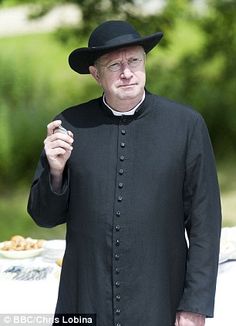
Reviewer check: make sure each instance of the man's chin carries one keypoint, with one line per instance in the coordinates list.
(129, 93)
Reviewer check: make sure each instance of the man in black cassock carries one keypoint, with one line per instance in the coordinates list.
(133, 173)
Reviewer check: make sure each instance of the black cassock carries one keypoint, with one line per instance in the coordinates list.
(132, 186)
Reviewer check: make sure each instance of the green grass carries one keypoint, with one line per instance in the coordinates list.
(14, 218)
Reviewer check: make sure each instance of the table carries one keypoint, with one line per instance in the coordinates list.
(29, 296)
(39, 296)
(225, 314)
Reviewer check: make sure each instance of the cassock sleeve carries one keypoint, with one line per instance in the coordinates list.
(203, 223)
(45, 206)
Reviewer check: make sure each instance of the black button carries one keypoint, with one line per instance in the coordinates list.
(117, 311)
(122, 145)
(121, 171)
(117, 270)
(118, 213)
(120, 198)
(121, 185)
(117, 257)
(117, 242)
(117, 284)
(122, 158)
(123, 132)
(117, 297)
(117, 227)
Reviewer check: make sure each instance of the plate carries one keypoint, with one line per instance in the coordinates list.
(20, 254)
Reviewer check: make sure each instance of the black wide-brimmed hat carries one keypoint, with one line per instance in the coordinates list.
(109, 36)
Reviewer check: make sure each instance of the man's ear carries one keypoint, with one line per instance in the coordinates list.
(94, 72)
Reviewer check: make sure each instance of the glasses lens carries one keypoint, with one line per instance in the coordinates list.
(115, 66)
(132, 63)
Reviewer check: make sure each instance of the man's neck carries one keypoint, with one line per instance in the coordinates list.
(124, 105)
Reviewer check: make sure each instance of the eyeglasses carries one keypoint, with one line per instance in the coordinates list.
(117, 66)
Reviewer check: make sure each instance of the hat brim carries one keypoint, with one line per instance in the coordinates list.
(80, 59)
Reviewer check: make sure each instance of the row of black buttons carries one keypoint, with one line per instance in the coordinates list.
(120, 185)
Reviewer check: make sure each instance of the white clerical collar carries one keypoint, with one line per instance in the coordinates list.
(119, 113)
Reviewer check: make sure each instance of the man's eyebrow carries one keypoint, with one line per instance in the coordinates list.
(107, 61)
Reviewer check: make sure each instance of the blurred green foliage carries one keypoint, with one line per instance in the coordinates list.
(14, 220)
(194, 64)
(35, 84)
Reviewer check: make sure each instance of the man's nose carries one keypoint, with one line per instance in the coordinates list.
(126, 72)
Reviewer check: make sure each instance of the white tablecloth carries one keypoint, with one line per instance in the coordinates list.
(32, 296)
(225, 307)
(39, 296)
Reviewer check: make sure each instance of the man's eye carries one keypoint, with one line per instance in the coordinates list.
(114, 65)
(134, 60)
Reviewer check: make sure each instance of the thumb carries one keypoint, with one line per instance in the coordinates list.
(52, 126)
(177, 320)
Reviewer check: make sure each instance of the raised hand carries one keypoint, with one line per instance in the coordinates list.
(58, 148)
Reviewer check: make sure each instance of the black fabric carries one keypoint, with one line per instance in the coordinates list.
(133, 185)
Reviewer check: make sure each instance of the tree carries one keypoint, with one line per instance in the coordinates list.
(92, 12)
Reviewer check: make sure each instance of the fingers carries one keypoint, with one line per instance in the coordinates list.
(56, 152)
(66, 144)
(61, 136)
(70, 133)
(54, 126)
(58, 140)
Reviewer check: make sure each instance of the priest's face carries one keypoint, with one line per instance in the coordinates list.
(121, 74)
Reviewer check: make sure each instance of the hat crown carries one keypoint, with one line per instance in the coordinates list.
(111, 32)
